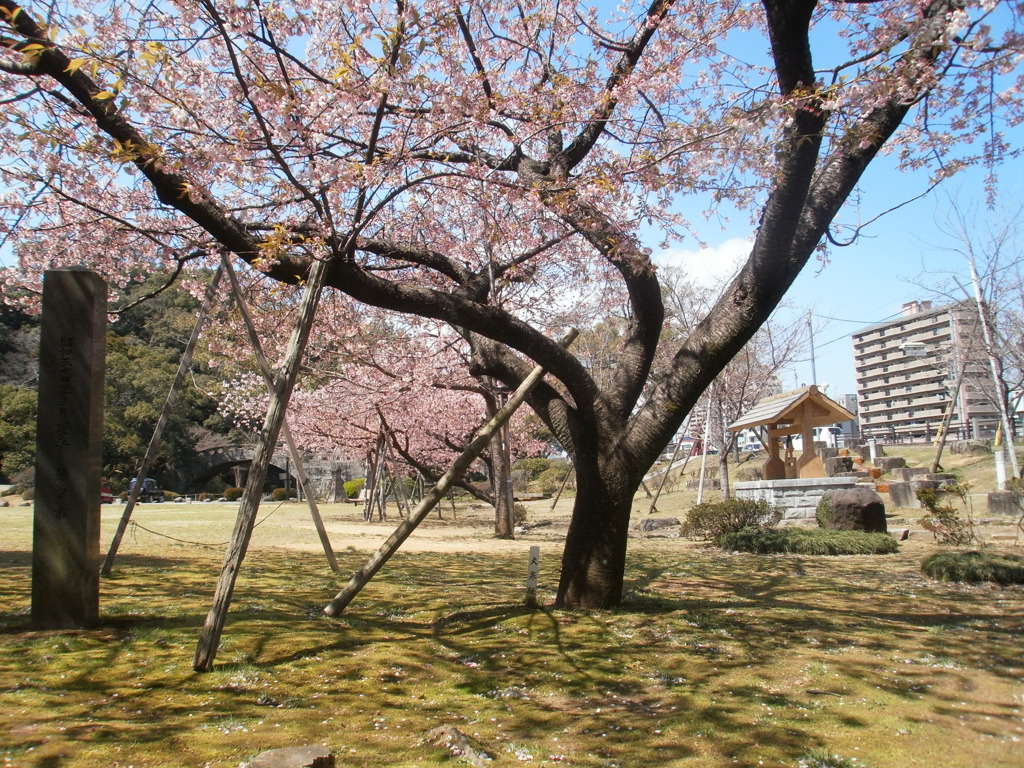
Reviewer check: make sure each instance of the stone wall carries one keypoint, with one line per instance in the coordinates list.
(328, 477)
(799, 497)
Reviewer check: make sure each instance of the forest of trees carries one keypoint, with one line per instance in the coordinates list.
(144, 345)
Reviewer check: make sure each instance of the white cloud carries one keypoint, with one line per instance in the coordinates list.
(709, 267)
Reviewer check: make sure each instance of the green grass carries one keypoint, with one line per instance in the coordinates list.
(807, 541)
(975, 565)
(713, 660)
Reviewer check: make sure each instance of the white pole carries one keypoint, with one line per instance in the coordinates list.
(704, 456)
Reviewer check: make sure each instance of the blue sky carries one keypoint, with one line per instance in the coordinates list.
(867, 282)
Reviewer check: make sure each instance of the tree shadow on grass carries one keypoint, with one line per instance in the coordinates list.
(694, 653)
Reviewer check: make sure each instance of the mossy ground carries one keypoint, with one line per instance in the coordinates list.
(713, 660)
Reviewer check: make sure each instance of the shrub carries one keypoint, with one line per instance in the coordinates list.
(534, 467)
(748, 474)
(551, 479)
(806, 541)
(710, 519)
(233, 494)
(942, 519)
(975, 565)
(519, 514)
(354, 486)
(280, 494)
(823, 512)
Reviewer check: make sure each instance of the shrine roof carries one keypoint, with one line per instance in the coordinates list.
(790, 407)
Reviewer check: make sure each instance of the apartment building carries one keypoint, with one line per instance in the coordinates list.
(907, 369)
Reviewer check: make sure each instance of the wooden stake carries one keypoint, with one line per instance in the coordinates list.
(532, 575)
(480, 441)
(286, 433)
(154, 444)
(668, 469)
(209, 638)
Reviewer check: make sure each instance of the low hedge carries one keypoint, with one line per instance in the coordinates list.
(806, 541)
(974, 566)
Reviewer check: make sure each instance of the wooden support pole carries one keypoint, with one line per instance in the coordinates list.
(668, 470)
(947, 416)
(154, 444)
(209, 638)
(561, 488)
(479, 442)
(286, 433)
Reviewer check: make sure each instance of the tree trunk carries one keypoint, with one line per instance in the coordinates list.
(594, 559)
(501, 484)
(500, 466)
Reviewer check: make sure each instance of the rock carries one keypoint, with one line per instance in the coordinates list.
(971, 447)
(527, 527)
(4, 503)
(901, 494)
(313, 756)
(25, 504)
(908, 473)
(889, 463)
(865, 451)
(1003, 503)
(942, 478)
(460, 745)
(837, 464)
(667, 527)
(852, 509)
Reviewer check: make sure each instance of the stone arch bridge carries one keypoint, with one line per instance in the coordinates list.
(327, 476)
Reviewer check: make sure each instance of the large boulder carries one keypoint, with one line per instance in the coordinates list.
(852, 509)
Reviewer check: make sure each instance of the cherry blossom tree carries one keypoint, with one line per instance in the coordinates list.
(365, 379)
(486, 162)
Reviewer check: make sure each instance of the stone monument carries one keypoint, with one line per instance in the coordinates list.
(69, 444)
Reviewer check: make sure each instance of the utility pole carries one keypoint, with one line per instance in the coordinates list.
(810, 333)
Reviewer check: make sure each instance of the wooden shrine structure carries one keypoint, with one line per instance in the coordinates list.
(783, 416)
